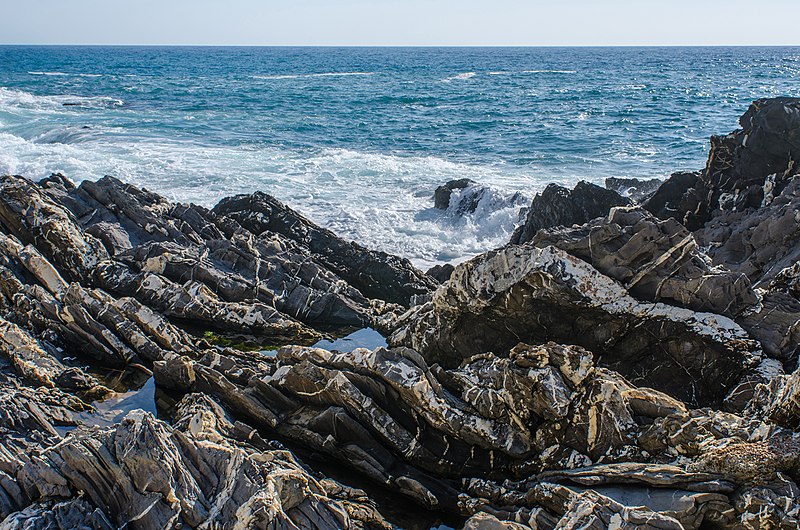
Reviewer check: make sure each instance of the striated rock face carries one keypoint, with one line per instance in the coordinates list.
(193, 264)
(539, 294)
(558, 206)
(662, 261)
(142, 473)
(553, 384)
(375, 274)
(655, 260)
(746, 168)
(760, 243)
(755, 162)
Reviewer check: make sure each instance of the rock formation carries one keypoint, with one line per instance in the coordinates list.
(558, 206)
(616, 366)
(637, 190)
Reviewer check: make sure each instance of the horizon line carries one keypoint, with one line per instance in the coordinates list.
(193, 45)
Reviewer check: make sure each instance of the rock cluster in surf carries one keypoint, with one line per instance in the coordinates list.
(619, 364)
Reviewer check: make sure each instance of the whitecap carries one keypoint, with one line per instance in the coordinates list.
(11, 99)
(460, 77)
(322, 74)
(49, 73)
(549, 71)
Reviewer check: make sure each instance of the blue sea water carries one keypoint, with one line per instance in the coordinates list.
(358, 138)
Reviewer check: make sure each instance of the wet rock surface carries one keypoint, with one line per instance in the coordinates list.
(637, 190)
(617, 366)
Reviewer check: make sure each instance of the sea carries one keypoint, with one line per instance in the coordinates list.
(358, 138)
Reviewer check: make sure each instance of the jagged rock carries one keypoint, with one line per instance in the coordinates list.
(375, 274)
(680, 198)
(441, 273)
(75, 514)
(405, 425)
(485, 521)
(661, 261)
(747, 166)
(538, 294)
(441, 197)
(558, 206)
(746, 169)
(636, 189)
(759, 243)
(458, 415)
(655, 260)
(144, 474)
(28, 214)
(787, 281)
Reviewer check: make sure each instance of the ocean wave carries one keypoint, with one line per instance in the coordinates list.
(65, 74)
(49, 73)
(517, 72)
(19, 99)
(303, 76)
(460, 77)
(382, 201)
(70, 134)
(549, 71)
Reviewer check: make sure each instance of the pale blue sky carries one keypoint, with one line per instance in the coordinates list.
(400, 22)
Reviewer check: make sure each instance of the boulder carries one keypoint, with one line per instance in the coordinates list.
(441, 273)
(558, 206)
(535, 294)
(746, 169)
(441, 197)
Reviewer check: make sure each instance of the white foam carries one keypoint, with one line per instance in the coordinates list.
(384, 202)
(549, 71)
(460, 77)
(512, 72)
(48, 73)
(323, 74)
(11, 100)
(65, 74)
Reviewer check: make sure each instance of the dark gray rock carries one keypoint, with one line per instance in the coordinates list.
(441, 197)
(558, 206)
(637, 190)
(441, 273)
(679, 198)
(655, 260)
(760, 243)
(745, 170)
(375, 274)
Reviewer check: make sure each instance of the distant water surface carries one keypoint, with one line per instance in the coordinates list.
(358, 138)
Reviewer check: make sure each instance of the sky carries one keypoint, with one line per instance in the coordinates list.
(400, 22)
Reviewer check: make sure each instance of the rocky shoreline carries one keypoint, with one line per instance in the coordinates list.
(624, 362)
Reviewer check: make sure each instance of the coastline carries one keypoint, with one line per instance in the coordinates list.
(625, 360)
